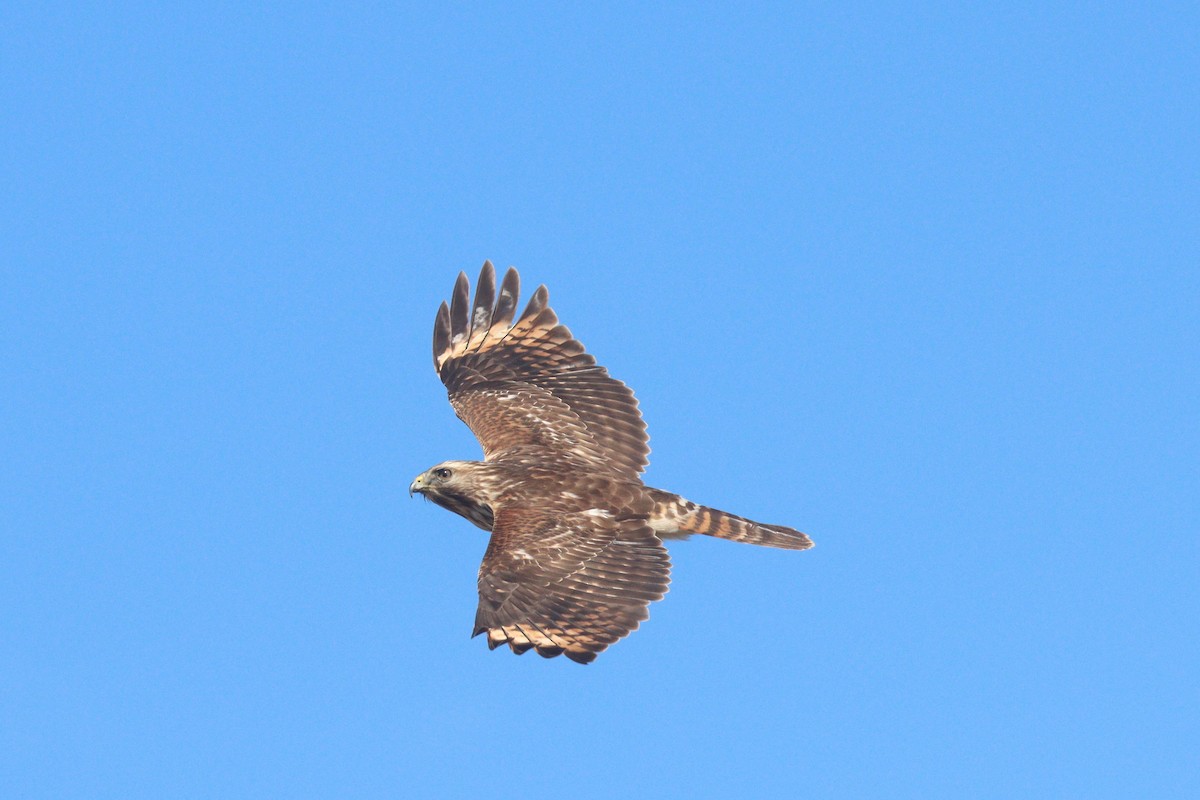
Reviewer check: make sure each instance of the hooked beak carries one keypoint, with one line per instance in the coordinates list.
(418, 485)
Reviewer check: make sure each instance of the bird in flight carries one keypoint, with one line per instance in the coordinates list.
(576, 553)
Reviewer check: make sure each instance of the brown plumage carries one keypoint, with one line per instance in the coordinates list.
(576, 553)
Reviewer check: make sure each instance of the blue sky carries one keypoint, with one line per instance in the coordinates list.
(920, 281)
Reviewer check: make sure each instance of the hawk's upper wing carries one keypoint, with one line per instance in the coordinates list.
(567, 583)
(530, 382)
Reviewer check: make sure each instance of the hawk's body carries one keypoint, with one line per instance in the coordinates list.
(576, 554)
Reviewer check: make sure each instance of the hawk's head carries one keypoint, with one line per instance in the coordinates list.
(461, 486)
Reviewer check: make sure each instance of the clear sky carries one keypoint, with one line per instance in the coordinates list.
(920, 280)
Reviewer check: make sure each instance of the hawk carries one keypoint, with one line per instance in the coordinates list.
(576, 552)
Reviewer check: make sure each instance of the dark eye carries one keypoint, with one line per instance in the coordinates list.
(442, 472)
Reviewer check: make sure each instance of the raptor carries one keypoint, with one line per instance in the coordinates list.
(576, 553)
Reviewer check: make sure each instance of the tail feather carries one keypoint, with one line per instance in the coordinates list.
(675, 517)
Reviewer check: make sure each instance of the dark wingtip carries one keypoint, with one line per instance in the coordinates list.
(506, 303)
(441, 332)
(485, 298)
(460, 303)
(536, 303)
(487, 274)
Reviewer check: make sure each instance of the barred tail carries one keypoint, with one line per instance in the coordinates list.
(675, 517)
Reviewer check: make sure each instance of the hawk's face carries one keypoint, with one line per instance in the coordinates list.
(458, 486)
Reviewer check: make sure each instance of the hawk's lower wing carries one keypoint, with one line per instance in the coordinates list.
(569, 583)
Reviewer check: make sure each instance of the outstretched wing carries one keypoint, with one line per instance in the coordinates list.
(529, 383)
(567, 583)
